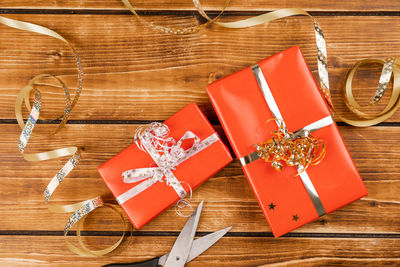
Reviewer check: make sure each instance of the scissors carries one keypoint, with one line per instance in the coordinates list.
(185, 249)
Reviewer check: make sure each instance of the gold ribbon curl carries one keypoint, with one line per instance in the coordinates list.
(80, 209)
(391, 106)
(178, 30)
(365, 119)
(287, 148)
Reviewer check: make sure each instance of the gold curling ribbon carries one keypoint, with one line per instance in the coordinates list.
(82, 209)
(286, 147)
(389, 66)
(177, 31)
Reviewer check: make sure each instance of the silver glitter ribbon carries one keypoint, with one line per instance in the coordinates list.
(305, 131)
(167, 155)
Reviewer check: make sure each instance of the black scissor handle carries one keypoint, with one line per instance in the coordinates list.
(148, 263)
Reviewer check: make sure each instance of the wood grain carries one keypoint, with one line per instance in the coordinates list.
(253, 5)
(134, 73)
(229, 198)
(235, 206)
(229, 251)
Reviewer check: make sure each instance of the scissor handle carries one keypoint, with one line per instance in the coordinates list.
(148, 263)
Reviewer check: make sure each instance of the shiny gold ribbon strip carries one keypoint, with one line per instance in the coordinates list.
(389, 66)
(178, 30)
(301, 165)
(80, 209)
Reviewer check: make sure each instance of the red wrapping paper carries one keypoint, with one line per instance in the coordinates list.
(143, 207)
(243, 112)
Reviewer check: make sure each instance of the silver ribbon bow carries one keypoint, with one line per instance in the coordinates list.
(167, 155)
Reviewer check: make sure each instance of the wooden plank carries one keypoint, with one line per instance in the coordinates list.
(372, 149)
(229, 251)
(329, 5)
(134, 73)
(229, 198)
(236, 207)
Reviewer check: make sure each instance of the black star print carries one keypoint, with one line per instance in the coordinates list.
(295, 218)
(272, 206)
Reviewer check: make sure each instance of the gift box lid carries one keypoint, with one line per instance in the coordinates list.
(245, 117)
(143, 207)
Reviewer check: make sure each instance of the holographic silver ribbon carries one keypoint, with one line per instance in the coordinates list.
(304, 131)
(167, 155)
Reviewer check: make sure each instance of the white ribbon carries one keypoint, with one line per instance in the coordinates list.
(167, 155)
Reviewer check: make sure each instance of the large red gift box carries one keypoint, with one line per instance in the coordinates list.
(195, 170)
(244, 114)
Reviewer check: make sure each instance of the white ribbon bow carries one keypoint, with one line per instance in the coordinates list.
(167, 155)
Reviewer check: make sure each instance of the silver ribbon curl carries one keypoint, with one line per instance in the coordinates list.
(167, 155)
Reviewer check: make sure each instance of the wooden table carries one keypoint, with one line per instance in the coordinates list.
(135, 75)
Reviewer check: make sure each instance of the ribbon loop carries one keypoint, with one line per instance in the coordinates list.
(390, 68)
(322, 59)
(81, 209)
(166, 153)
(180, 30)
(294, 149)
(137, 175)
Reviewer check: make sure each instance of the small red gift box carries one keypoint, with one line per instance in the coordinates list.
(283, 87)
(143, 201)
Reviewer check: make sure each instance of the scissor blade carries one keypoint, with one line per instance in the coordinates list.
(183, 244)
(200, 245)
(205, 243)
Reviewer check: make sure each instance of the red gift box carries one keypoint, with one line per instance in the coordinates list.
(193, 171)
(241, 104)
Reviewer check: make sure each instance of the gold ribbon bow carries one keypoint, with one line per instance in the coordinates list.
(293, 149)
